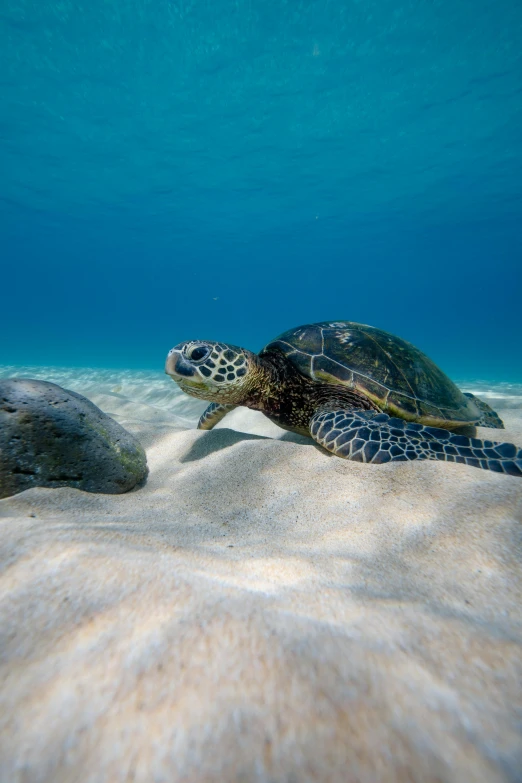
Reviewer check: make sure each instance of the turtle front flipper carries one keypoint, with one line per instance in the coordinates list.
(489, 418)
(213, 415)
(369, 436)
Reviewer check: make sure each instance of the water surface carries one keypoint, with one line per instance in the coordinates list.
(231, 168)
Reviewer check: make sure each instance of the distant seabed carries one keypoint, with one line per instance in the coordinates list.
(156, 390)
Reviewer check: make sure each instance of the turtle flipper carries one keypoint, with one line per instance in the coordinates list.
(213, 415)
(489, 417)
(368, 436)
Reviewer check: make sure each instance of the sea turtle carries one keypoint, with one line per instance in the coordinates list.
(359, 392)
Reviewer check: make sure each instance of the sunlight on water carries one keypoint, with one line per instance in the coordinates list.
(180, 170)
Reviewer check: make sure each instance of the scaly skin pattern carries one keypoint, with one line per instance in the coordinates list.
(367, 436)
(274, 387)
(213, 415)
(340, 418)
(289, 399)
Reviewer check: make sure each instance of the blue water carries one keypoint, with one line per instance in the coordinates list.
(229, 169)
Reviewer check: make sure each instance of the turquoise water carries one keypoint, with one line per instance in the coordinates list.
(227, 170)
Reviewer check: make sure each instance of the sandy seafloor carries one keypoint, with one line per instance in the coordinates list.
(260, 610)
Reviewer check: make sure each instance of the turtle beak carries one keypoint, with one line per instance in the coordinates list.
(177, 367)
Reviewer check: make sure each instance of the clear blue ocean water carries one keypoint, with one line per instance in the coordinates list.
(227, 169)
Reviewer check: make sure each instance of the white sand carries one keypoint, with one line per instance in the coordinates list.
(261, 611)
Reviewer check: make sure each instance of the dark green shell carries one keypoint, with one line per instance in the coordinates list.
(394, 374)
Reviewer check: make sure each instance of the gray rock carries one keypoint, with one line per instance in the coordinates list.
(51, 437)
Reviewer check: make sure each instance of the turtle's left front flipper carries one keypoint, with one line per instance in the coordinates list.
(213, 415)
(369, 436)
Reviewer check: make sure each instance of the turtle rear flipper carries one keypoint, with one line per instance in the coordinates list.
(213, 415)
(489, 417)
(368, 436)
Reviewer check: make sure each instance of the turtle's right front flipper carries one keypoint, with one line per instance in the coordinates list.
(368, 436)
(213, 415)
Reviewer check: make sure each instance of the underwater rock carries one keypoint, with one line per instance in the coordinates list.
(52, 437)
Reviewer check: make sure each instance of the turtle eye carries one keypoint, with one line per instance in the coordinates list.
(198, 353)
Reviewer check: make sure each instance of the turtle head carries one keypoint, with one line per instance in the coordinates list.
(211, 371)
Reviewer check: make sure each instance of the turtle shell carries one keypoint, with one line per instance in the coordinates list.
(391, 372)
